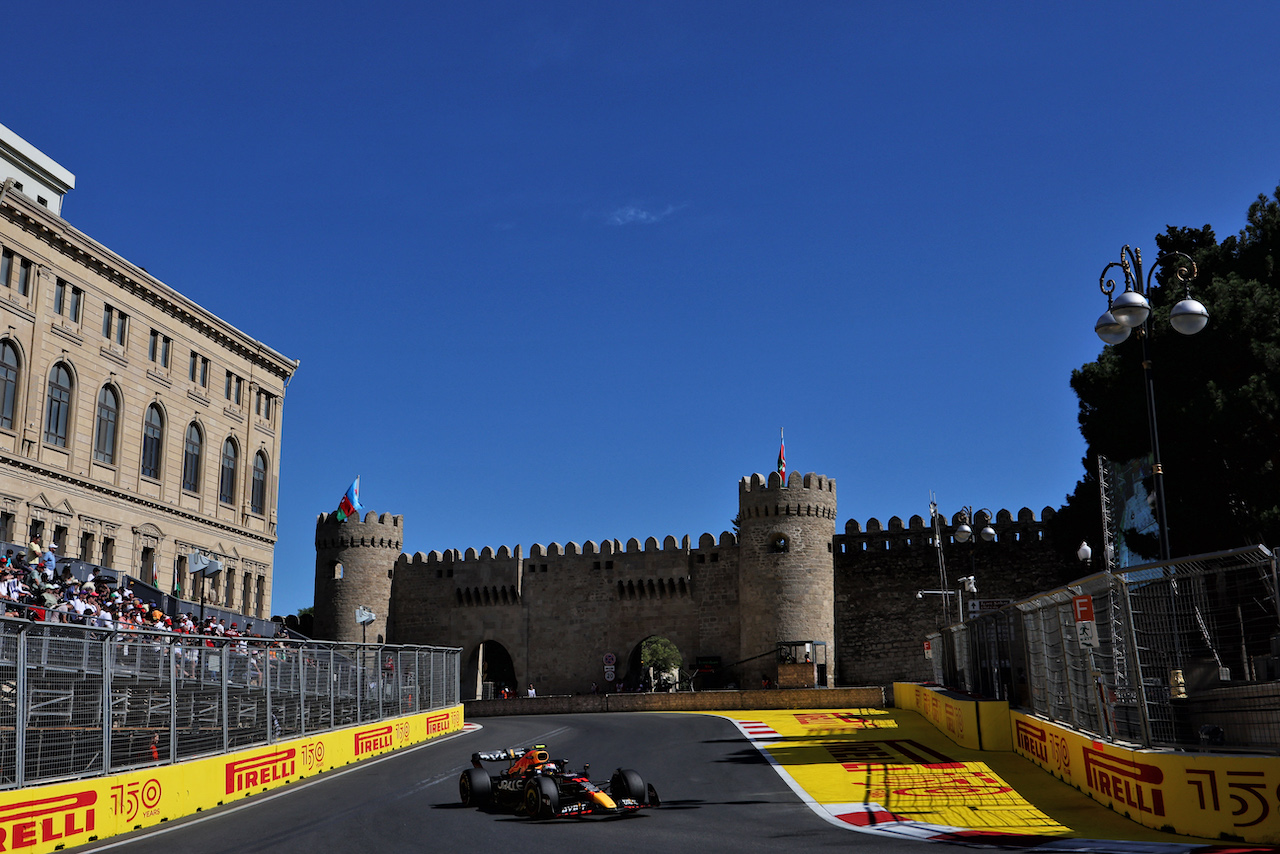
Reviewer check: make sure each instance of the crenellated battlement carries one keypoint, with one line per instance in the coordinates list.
(370, 518)
(757, 483)
(811, 495)
(918, 531)
(571, 549)
(383, 531)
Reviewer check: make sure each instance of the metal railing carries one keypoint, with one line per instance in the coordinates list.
(1180, 653)
(82, 702)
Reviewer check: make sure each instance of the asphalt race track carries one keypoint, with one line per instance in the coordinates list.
(718, 795)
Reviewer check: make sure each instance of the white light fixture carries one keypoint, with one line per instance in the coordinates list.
(1131, 308)
(1084, 552)
(963, 532)
(1110, 330)
(1189, 316)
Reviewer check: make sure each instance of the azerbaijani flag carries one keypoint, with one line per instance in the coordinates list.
(350, 504)
(782, 458)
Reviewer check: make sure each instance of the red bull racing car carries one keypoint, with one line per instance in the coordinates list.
(535, 785)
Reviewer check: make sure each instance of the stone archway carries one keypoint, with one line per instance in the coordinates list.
(641, 678)
(488, 670)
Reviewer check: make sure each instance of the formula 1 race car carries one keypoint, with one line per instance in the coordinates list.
(535, 785)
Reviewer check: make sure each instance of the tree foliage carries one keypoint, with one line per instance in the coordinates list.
(660, 654)
(1217, 396)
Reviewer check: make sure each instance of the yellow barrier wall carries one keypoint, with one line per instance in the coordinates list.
(46, 818)
(1206, 795)
(976, 724)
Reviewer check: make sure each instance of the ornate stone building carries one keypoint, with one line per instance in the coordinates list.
(135, 426)
(746, 607)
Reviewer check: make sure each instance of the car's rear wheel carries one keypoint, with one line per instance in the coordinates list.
(541, 798)
(475, 787)
(628, 784)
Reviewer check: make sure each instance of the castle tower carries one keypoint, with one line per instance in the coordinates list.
(355, 560)
(786, 577)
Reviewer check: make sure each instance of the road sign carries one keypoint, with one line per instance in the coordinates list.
(610, 659)
(1086, 628)
(928, 650)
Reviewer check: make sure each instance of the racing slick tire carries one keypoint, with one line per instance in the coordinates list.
(541, 798)
(628, 784)
(475, 787)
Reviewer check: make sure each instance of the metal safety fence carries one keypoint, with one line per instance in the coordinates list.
(81, 702)
(1174, 654)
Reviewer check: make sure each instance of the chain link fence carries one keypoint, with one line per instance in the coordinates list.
(80, 702)
(1177, 654)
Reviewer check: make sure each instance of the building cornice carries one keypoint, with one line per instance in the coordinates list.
(65, 239)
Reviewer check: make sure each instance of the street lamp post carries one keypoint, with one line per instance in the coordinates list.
(1132, 310)
(962, 533)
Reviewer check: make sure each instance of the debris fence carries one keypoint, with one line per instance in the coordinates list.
(1177, 654)
(81, 702)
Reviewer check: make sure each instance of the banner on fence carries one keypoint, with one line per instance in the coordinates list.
(35, 820)
(1206, 795)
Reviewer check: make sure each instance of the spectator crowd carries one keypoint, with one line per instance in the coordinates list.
(31, 587)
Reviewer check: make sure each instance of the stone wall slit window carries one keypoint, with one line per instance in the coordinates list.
(104, 443)
(8, 383)
(58, 412)
(779, 543)
(152, 442)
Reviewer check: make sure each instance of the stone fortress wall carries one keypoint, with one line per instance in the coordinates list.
(549, 616)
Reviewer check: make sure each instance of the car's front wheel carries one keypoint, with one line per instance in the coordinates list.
(541, 798)
(628, 784)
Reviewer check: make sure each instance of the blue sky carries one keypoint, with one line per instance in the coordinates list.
(560, 271)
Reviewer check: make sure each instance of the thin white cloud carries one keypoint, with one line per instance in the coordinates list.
(628, 214)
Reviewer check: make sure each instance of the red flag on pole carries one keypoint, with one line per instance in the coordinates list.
(782, 458)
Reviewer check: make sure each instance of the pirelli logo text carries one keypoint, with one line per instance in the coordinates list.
(438, 723)
(30, 823)
(261, 770)
(1032, 740)
(1126, 781)
(369, 740)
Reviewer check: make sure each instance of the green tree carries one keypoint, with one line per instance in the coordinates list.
(1217, 396)
(660, 658)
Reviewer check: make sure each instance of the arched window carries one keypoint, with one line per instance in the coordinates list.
(152, 442)
(58, 413)
(104, 444)
(191, 459)
(8, 383)
(258, 498)
(227, 482)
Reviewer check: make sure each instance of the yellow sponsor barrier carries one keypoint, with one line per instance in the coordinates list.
(46, 818)
(1206, 795)
(976, 724)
